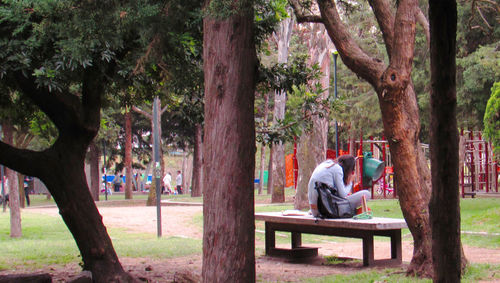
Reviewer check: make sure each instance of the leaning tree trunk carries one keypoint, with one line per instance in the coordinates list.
(61, 168)
(15, 210)
(312, 146)
(128, 155)
(197, 189)
(399, 109)
(94, 170)
(64, 176)
(447, 252)
(229, 146)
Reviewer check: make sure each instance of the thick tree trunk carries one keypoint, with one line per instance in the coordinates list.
(444, 207)
(61, 168)
(229, 147)
(94, 170)
(65, 178)
(197, 162)
(411, 174)
(128, 155)
(15, 210)
(399, 109)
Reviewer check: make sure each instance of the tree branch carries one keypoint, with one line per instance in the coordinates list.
(163, 110)
(368, 68)
(422, 20)
(140, 111)
(385, 19)
(301, 17)
(28, 162)
(63, 109)
(484, 19)
(399, 71)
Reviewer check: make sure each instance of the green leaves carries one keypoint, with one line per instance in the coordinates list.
(492, 118)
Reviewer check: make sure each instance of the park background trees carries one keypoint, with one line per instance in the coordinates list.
(48, 78)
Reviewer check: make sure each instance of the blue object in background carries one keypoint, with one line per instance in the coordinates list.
(110, 178)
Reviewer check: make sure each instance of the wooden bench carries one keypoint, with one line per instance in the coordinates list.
(353, 228)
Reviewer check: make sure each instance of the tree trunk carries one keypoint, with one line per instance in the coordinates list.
(262, 168)
(270, 179)
(61, 167)
(15, 210)
(152, 191)
(229, 146)
(20, 185)
(283, 36)
(263, 147)
(94, 170)
(444, 207)
(313, 145)
(128, 155)
(197, 163)
(184, 185)
(399, 109)
(77, 208)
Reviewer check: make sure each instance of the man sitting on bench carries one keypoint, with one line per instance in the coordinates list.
(337, 174)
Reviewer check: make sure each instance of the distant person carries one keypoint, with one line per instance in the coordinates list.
(27, 189)
(167, 180)
(178, 182)
(117, 182)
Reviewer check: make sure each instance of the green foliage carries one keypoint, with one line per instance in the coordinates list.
(302, 99)
(479, 71)
(492, 118)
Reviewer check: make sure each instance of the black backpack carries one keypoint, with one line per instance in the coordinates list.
(330, 204)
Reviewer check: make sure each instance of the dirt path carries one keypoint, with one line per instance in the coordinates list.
(177, 221)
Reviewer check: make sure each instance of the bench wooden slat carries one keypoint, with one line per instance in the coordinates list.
(376, 223)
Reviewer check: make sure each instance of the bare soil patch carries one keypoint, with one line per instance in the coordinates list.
(177, 221)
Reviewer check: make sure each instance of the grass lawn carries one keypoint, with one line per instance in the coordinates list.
(46, 240)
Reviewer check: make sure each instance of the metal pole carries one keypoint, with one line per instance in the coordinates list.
(335, 54)
(157, 171)
(105, 171)
(1, 175)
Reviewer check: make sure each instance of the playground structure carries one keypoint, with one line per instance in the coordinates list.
(374, 170)
(478, 166)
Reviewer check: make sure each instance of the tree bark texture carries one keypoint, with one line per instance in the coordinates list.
(313, 144)
(270, 179)
(263, 147)
(399, 109)
(229, 147)
(61, 168)
(93, 157)
(444, 206)
(283, 36)
(197, 162)
(128, 155)
(14, 206)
